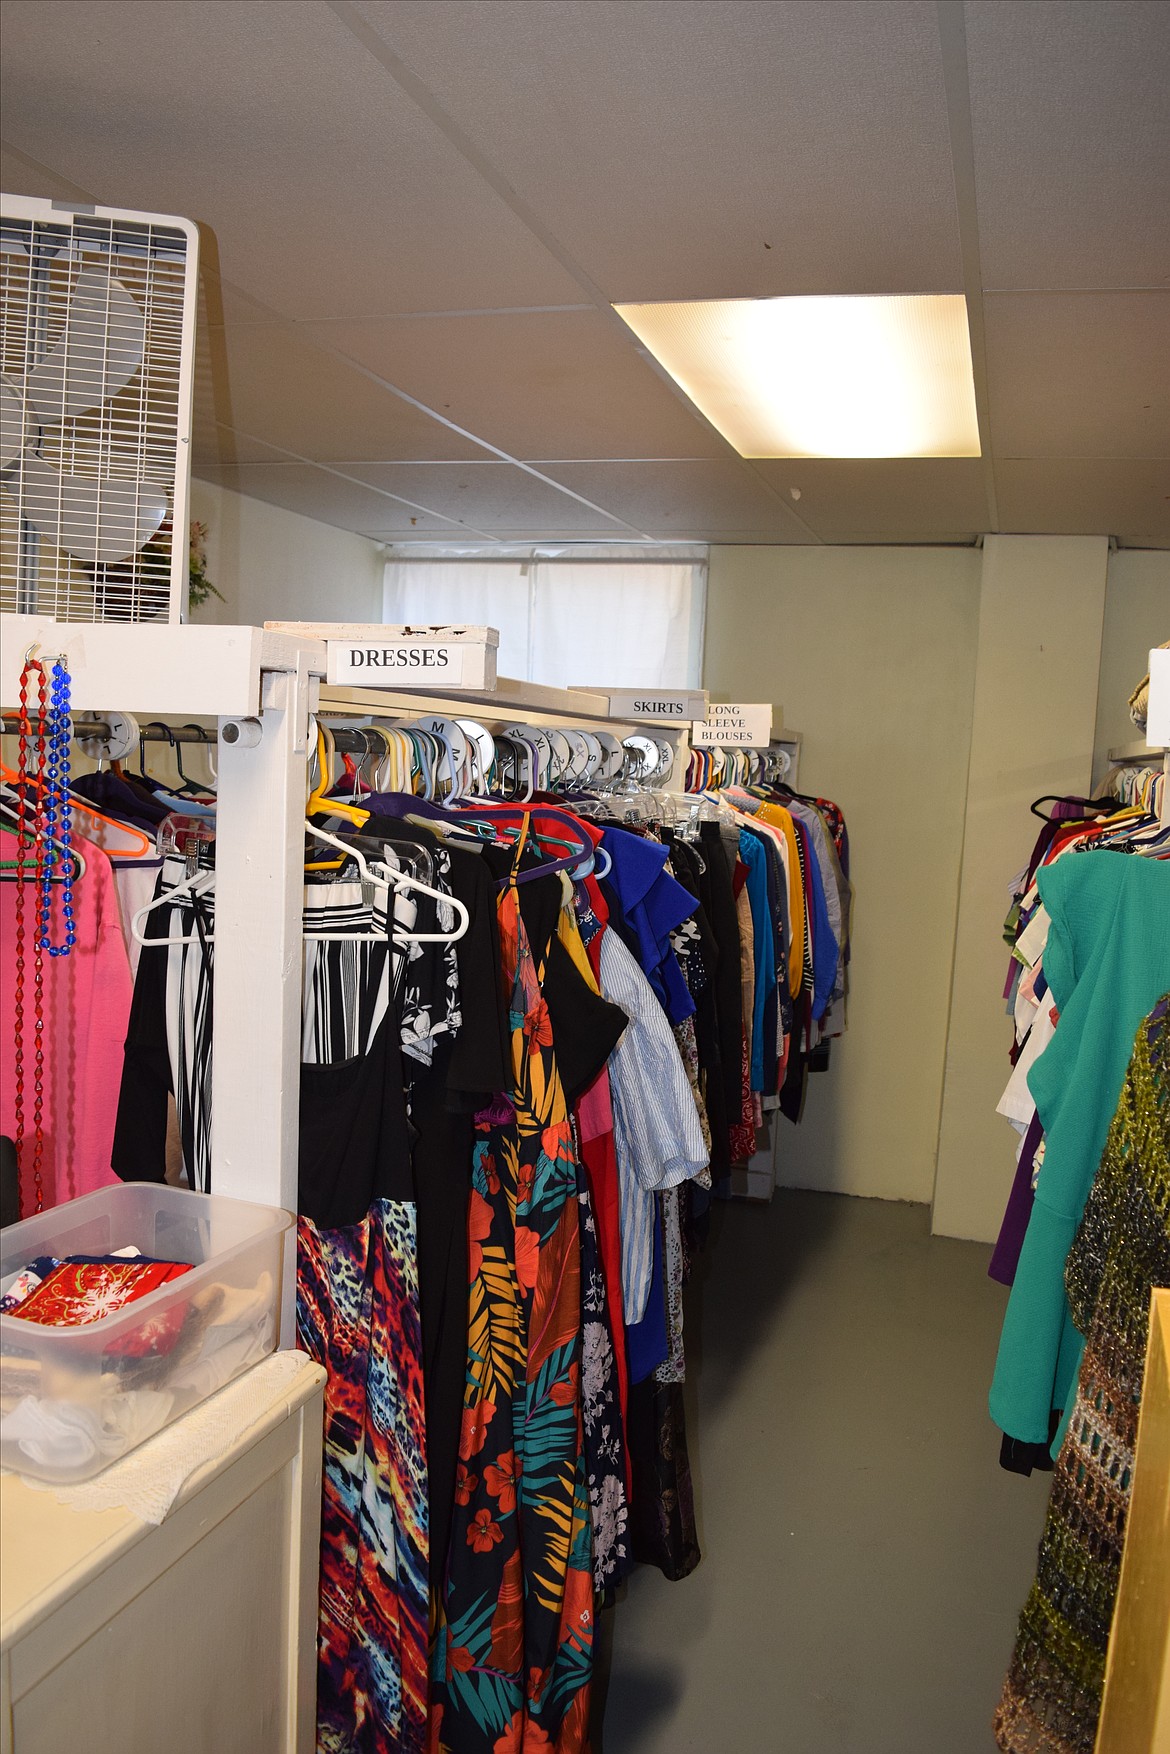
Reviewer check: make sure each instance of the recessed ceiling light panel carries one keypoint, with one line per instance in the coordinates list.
(822, 377)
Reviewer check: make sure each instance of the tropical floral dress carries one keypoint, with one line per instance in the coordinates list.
(357, 1314)
(513, 1655)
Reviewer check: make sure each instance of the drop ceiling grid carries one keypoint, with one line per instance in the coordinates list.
(167, 118)
(716, 108)
(492, 495)
(529, 382)
(270, 380)
(841, 139)
(335, 498)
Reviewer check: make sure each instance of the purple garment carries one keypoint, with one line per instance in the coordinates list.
(398, 804)
(1006, 1253)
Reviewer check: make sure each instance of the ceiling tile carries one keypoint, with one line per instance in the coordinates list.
(492, 495)
(329, 191)
(1079, 374)
(316, 493)
(212, 443)
(271, 382)
(220, 302)
(884, 497)
(1083, 497)
(22, 176)
(1071, 134)
(553, 384)
(717, 498)
(714, 149)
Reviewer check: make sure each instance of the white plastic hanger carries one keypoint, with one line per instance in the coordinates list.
(201, 881)
(195, 885)
(386, 878)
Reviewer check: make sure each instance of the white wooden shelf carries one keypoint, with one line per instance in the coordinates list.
(1128, 753)
(156, 667)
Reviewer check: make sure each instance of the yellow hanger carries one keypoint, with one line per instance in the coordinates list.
(321, 805)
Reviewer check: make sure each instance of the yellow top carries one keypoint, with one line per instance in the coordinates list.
(776, 816)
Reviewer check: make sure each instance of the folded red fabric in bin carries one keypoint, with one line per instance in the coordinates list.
(78, 1292)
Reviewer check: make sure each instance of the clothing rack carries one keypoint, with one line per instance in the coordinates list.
(511, 700)
(261, 685)
(1145, 755)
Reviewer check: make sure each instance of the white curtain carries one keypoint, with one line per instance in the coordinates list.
(483, 594)
(566, 622)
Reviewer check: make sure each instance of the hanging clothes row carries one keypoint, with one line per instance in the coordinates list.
(794, 911)
(68, 1013)
(1086, 1232)
(544, 1003)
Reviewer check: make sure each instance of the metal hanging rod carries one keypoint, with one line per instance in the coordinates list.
(351, 739)
(100, 730)
(348, 739)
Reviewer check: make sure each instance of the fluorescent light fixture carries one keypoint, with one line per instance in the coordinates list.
(822, 377)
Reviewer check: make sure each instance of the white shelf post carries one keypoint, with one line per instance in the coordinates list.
(256, 1042)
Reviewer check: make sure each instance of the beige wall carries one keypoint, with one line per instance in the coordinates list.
(1042, 601)
(940, 691)
(272, 564)
(871, 654)
(1137, 616)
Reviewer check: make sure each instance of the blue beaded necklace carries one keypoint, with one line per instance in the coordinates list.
(56, 817)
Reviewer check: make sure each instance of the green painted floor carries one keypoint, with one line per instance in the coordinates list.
(864, 1556)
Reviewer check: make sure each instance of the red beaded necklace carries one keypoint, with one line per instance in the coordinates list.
(30, 849)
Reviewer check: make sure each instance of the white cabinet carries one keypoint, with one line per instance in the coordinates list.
(120, 1637)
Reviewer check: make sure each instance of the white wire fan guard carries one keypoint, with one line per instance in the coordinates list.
(97, 349)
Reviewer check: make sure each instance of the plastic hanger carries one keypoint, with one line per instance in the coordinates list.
(196, 885)
(1096, 804)
(10, 818)
(152, 725)
(186, 787)
(391, 880)
(118, 840)
(201, 881)
(581, 849)
(319, 803)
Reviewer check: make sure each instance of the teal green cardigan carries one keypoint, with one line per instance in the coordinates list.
(1107, 961)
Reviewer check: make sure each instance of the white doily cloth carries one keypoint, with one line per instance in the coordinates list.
(150, 1478)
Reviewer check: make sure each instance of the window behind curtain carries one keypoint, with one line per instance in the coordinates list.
(566, 622)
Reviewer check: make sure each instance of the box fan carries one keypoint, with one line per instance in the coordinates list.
(97, 346)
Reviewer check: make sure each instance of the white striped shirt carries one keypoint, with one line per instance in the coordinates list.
(657, 1138)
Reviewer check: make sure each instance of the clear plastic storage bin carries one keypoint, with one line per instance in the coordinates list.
(74, 1399)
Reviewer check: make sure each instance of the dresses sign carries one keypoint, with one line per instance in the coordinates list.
(405, 663)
